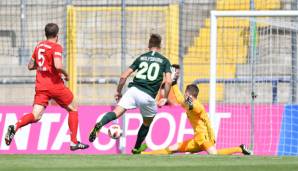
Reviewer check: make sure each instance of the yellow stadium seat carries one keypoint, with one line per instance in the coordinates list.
(245, 4)
(232, 45)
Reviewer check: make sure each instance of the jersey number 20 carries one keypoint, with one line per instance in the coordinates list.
(152, 71)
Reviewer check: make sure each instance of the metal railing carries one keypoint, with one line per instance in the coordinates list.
(273, 81)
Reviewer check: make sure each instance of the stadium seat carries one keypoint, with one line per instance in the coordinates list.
(245, 4)
(232, 39)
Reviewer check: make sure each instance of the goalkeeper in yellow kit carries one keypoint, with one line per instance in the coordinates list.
(204, 139)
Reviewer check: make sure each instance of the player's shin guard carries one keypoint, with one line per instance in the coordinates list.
(229, 151)
(108, 117)
(25, 120)
(143, 131)
(73, 126)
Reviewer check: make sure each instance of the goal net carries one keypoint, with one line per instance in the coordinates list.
(98, 36)
(253, 79)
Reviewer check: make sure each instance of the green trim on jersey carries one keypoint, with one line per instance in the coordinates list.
(150, 68)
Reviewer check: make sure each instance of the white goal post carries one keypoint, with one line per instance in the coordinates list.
(214, 44)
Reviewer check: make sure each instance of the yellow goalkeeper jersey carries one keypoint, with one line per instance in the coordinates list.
(197, 116)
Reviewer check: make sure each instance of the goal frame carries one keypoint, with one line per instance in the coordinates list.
(213, 42)
(214, 14)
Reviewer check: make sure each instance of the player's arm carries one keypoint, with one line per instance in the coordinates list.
(177, 92)
(59, 67)
(57, 55)
(168, 84)
(32, 64)
(178, 95)
(167, 88)
(134, 66)
(122, 81)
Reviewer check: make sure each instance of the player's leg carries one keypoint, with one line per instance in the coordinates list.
(40, 101)
(169, 150)
(25, 120)
(211, 150)
(186, 146)
(204, 143)
(209, 146)
(126, 102)
(229, 151)
(233, 150)
(73, 123)
(32, 117)
(110, 116)
(65, 99)
(148, 110)
(107, 118)
(142, 134)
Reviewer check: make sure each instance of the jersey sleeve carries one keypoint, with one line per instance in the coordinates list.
(58, 52)
(178, 95)
(198, 108)
(168, 67)
(135, 64)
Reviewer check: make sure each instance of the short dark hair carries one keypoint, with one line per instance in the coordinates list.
(192, 89)
(176, 66)
(154, 41)
(51, 30)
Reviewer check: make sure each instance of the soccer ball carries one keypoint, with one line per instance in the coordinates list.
(115, 131)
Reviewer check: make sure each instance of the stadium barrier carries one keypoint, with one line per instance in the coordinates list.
(273, 81)
(51, 136)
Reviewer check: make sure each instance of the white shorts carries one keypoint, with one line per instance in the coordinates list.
(134, 98)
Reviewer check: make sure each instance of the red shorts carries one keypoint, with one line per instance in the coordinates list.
(62, 96)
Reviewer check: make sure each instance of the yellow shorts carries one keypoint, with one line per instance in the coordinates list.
(196, 144)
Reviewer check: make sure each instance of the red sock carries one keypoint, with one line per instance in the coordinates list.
(25, 120)
(73, 125)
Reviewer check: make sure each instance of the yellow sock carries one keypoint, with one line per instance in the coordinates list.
(227, 151)
(162, 151)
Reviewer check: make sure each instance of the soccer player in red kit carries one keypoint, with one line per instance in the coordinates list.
(47, 61)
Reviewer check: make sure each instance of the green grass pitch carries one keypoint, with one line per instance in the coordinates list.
(145, 163)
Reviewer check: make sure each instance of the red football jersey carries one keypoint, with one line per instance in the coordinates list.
(47, 76)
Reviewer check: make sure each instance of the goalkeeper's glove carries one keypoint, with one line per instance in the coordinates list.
(174, 77)
(189, 102)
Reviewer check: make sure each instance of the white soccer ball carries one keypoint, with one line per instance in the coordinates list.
(115, 131)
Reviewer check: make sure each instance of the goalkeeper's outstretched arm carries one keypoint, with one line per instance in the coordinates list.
(178, 95)
(168, 83)
(167, 88)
